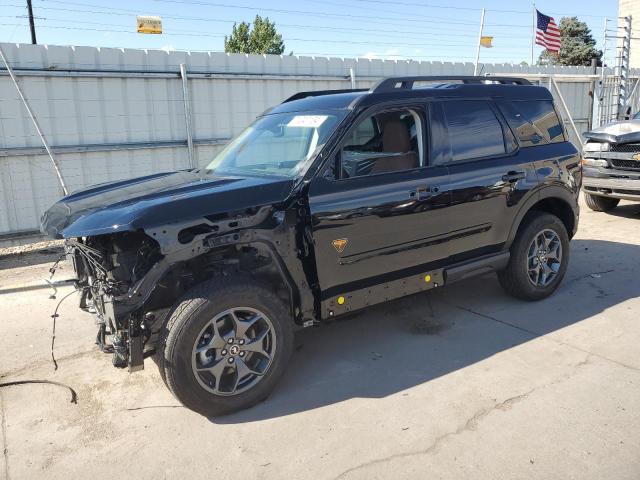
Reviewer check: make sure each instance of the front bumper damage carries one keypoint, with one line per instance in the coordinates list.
(123, 330)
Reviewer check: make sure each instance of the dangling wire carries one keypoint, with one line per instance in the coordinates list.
(54, 267)
(74, 396)
(53, 334)
(52, 272)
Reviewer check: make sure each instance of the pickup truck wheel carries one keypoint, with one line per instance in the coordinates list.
(226, 344)
(598, 203)
(539, 258)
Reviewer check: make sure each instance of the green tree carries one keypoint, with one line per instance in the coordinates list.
(577, 46)
(262, 38)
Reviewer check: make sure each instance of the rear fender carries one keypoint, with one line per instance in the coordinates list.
(568, 200)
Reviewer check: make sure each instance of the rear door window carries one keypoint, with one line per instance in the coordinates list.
(474, 130)
(534, 122)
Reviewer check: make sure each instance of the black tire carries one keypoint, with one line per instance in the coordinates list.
(184, 325)
(514, 279)
(598, 203)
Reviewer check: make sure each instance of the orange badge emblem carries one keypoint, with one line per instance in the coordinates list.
(340, 244)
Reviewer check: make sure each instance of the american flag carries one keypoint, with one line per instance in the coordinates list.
(547, 33)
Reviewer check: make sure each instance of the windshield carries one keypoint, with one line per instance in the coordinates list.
(280, 144)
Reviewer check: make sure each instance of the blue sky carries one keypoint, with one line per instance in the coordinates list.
(433, 30)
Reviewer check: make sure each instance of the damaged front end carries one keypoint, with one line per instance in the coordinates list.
(131, 280)
(108, 268)
(137, 246)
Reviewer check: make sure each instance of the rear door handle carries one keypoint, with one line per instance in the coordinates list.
(513, 177)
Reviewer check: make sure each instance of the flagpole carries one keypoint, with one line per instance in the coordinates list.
(533, 31)
(475, 67)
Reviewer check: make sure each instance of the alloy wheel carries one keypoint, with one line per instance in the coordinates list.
(234, 351)
(544, 258)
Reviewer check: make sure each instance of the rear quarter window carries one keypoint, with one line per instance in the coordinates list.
(535, 122)
(474, 130)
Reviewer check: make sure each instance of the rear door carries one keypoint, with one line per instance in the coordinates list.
(489, 176)
(379, 212)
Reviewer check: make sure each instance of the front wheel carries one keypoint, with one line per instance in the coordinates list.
(539, 258)
(225, 345)
(598, 203)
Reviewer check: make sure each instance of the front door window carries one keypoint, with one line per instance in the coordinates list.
(382, 143)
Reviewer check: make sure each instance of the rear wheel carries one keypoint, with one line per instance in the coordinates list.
(226, 344)
(600, 204)
(539, 258)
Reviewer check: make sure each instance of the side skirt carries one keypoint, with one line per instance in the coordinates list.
(355, 300)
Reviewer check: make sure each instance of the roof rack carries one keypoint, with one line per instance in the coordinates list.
(318, 93)
(392, 84)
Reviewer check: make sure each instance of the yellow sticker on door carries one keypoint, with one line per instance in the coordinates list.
(339, 244)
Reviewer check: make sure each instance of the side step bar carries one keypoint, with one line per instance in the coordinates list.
(488, 264)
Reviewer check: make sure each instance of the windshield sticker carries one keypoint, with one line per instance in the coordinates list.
(307, 121)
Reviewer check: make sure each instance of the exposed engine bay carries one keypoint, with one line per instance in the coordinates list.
(107, 267)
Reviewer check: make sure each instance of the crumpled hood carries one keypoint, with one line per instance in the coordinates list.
(627, 131)
(157, 200)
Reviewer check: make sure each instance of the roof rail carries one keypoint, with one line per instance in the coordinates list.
(318, 93)
(392, 84)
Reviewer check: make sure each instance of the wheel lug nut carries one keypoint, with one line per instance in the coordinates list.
(241, 342)
(242, 354)
(230, 360)
(230, 341)
(224, 352)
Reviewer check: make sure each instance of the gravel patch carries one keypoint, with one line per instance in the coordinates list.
(49, 246)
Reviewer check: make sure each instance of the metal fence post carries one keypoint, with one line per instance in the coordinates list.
(352, 76)
(592, 91)
(624, 69)
(187, 113)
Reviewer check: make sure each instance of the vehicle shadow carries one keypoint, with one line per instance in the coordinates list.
(626, 210)
(395, 346)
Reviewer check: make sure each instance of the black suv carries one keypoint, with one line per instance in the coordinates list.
(328, 203)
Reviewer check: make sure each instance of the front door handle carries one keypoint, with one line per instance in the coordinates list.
(425, 191)
(512, 177)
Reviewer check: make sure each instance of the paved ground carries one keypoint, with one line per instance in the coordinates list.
(458, 383)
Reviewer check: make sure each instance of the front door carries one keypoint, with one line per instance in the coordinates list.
(379, 215)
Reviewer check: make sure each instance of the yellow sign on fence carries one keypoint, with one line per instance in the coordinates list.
(148, 24)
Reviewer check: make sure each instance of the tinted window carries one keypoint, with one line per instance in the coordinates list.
(382, 143)
(534, 121)
(474, 130)
(364, 133)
